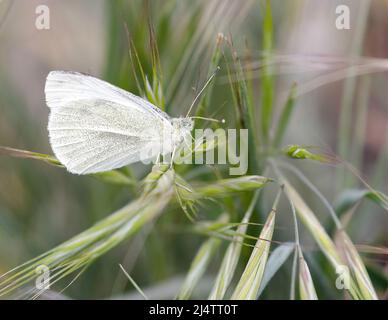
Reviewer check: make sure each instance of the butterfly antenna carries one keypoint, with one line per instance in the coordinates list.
(209, 119)
(203, 88)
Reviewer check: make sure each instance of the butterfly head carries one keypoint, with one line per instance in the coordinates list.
(183, 124)
(182, 128)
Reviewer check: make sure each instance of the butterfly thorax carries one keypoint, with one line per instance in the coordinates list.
(182, 128)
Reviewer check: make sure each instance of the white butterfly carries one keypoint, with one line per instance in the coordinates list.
(95, 126)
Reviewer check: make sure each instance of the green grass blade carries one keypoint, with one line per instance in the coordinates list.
(204, 102)
(198, 267)
(245, 113)
(295, 151)
(285, 117)
(113, 176)
(276, 259)
(233, 185)
(12, 152)
(351, 197)
(267, 83)
(133, 283)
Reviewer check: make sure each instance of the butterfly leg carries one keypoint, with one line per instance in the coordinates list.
(157, 162)
(188, 146)
(172, 157)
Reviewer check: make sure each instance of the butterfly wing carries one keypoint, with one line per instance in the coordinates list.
(95, 126)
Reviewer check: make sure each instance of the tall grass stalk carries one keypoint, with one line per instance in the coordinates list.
(344, 134)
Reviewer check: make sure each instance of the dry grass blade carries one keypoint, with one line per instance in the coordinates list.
(354, 261)
(372, 249)
(249, 284)
(232, 254)
(306, 284)
(6, 151)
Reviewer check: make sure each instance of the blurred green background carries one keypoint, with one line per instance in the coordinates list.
(42, 206)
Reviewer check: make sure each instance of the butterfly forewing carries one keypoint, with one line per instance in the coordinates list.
(94, 126)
